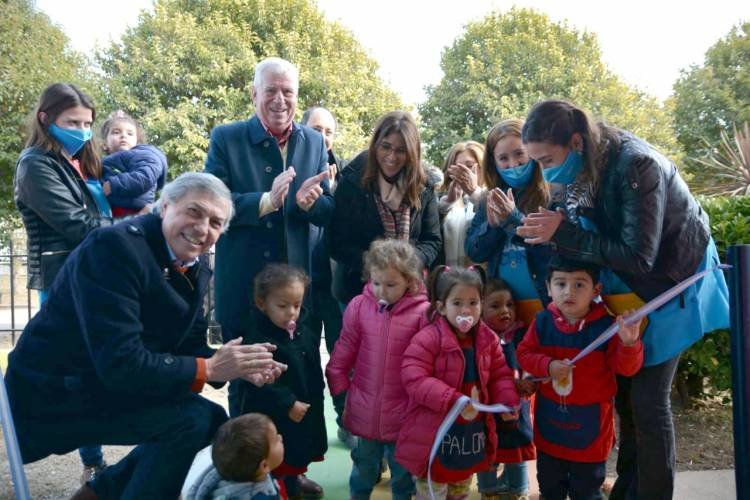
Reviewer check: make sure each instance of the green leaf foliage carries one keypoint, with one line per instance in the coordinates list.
(506, 62)
(711, 98)
(709, 357)
(189, 66)
(33, 54)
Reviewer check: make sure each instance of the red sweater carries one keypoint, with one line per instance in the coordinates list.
(579, 427)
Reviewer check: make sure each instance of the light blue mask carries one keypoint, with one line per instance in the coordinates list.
(517, 177)
(566, 172)
(71, 139)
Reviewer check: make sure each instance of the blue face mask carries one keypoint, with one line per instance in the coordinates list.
(71, 139)
(567, 172)
(517, 177)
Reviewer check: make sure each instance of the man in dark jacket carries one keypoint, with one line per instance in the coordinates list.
(326, 312)
(118, 352)
(277, 172)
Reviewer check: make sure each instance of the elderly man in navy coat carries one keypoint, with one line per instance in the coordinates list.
(277, 172)
(117, 354)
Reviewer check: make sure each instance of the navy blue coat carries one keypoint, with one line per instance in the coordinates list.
(120, 330)
(246, 157)
(134, 176)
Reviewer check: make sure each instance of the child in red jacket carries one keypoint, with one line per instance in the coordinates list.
(366, 362)
(454, 356)
(514, 437)
(573, 417)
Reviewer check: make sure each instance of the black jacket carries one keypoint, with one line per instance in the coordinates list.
(356, 224)
(652, 232)
(302, 381)
(57, 210)
(120, 330)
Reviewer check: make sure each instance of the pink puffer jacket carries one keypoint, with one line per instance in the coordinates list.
(372, 344)
(433, 372)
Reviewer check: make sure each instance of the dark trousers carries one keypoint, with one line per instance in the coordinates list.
(646, 459)
(326, 316)
(168, 437)
(559, 478)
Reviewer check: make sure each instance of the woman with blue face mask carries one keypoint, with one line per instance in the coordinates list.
(628, 209)
(57, 191)
(515, 186)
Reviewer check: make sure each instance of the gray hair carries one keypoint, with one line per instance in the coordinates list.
(309, 112)
(192, 182)
(275, 66)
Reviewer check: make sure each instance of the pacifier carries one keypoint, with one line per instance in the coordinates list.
(464, 323)
(382, 304)
(291, 327)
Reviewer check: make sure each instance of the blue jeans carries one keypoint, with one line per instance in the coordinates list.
(90, 455)
(167, 436)
(514, 479)
(646, 458)
(559, 478)
(366, 458)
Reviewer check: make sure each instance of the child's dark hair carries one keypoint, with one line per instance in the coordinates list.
(122, 116)
(396, 254)
(275, 276)
(564, 265)
(496, 285)
(240, 445)
(444, 278)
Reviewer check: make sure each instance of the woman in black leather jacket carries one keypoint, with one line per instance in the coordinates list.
(57, 206)
(627, 209)
(50, 191)
(382, 193)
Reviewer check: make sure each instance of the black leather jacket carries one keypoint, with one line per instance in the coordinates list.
(57, 210)
(652, 232)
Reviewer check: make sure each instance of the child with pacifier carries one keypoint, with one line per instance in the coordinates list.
(573, 416)
(456, 355)
(366, 362)
(515, 437)
(295, 400)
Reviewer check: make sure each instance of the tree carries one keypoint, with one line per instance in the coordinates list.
(33, 54)
(189, 66)
(503, 64)
(712, 98)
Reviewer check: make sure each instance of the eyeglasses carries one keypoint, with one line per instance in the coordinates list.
(387, 148)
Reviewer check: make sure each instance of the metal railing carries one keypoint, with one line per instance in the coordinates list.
(15, 315)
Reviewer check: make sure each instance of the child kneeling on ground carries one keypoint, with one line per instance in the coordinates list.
(245, 451)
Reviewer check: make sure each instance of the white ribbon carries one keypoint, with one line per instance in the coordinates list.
(641, 313)
(448, 421)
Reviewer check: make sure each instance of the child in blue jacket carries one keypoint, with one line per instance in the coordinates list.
(133, 171)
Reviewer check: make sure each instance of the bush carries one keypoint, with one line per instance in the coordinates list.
(708, 360)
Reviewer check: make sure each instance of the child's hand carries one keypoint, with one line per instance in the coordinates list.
(509, 417)
(560, 370)
(628, 333)
(298, 411)
(525, 387)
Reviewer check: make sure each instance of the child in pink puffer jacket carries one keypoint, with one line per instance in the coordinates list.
(378, 325)
(455, 355)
